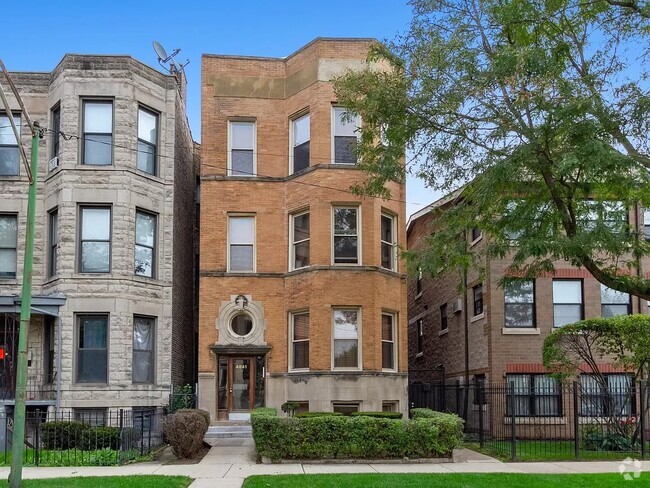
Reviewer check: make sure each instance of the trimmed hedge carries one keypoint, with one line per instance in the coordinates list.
(184, 431)
(100, 438)
(264, 411)
(62, 435)
(204, 413)
(379, 415)
(358, 437)
(311, 415)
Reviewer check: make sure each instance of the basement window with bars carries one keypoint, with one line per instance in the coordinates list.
(535, 395)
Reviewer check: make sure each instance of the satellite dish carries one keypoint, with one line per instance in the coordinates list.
(164, 58)
(160, 51)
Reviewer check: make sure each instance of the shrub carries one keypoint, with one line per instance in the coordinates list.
(184, 432)
(96, 438)
(62, 435)
(360, 437)
(309, 415)
(290, 408)
(380, 415)
(265, 411)
(450, 425)
(204, 413)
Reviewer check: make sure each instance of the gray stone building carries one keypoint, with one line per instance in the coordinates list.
(113, 321)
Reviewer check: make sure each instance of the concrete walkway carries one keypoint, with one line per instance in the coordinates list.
(227, 465)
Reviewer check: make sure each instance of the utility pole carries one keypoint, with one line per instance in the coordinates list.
(18, 438)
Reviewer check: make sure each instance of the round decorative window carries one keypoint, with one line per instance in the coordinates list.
(241, 325)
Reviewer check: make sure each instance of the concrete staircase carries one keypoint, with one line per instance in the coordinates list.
(228, 430)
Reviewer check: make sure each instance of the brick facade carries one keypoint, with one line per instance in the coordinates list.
(270, 92)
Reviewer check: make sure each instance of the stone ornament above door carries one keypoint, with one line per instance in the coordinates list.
(241, 321)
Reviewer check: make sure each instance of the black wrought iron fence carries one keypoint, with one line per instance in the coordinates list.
(546, 420)
(85, 437)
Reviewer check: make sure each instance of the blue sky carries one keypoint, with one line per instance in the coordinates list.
(42, 32)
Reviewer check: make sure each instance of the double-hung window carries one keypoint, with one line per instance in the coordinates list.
(519, 307)
(346, 235)
(147, 140)
(143, 349)
(567, 302)
(444, 320)
(345, 136)
(241, 243)
(95, 240)
(420, 336)
(388, 245)
(477, 293)
(299, 240)
(145, 244)
(242, 160)
(388, 351)
(533, 395)
(56, 131)
(92, 348)
(646, 224)
(613, 302)
(300, 340)
(418, 283)
(98, 132)
(8, 245)
(9, 152)
(53, 246)
(614, 398)
(300, 143)
(346, 338)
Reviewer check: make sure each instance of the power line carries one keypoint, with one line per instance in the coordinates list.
(68, 137)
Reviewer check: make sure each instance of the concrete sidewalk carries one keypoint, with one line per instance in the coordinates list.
(229, 463)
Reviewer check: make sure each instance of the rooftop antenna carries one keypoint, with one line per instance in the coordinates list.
(164, 58)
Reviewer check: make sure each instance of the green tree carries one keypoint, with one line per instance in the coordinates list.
(536, 112)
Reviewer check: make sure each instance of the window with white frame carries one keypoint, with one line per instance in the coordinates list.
(299, 230)
(611, 396)
(300, 340)
(241, 153)
(8, 245)
(346, 338)
(646, 224)
(346, 235)
(300, 135)
(92, 348)
(519, 307)
(388, 350)
(418, 283)
(611, 214)
(345, 136)
(97, 132)
(241, 243)
(56, 131)
(420, 336)
(95, 244)
(388, 244)
(567, 302)
(147, 140)
(477, 293)
(145, 244)
(143, 349)
(614, 302)
(9, 152)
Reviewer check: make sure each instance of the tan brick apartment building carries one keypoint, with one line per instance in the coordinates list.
(302, 297)
(112, 319)
(500, 339)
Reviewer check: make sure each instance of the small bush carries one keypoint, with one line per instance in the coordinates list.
(265, 411)
(379, 415)
(309, 415)
(96, 438)
(290, 408)
(62, 435)
(204, 413)
(184, 432)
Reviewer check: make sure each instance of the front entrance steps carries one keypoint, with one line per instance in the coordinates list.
(228, 430)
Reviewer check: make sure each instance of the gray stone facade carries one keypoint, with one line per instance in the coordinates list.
(168, 296)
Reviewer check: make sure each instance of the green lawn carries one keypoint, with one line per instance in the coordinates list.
(109, 482)
(440, 481)
(548, 451)
(76, 457)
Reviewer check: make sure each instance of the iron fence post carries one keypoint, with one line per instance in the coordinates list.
(642, 419)
(141, 433)
(481, 402)
(37, 444)
(513, 428)
(576, 423)
(121, 417)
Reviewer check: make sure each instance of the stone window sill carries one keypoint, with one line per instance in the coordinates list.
(520, 331)
(478, 317)
(443, 332)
